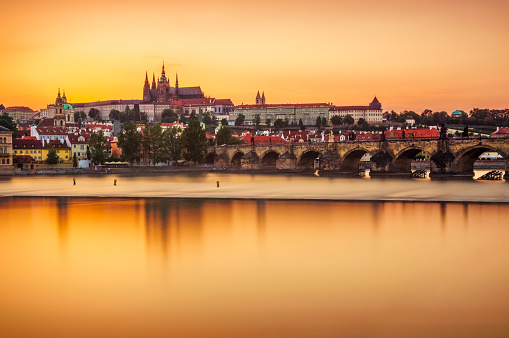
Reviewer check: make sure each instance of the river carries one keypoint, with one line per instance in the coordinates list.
(182, 260)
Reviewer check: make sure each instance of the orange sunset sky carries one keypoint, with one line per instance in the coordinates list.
(441, 55)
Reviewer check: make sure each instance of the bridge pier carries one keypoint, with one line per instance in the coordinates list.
(286, 162)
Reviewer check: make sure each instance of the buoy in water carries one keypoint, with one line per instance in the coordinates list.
(217, 183)
(115, 182)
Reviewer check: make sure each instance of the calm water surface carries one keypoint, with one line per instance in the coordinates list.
(162, 267)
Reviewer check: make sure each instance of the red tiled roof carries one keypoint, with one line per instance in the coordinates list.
(224, 102)
(18, 108)
(25, 143)
(56, 144)
(198, 102)
(262, 139)
(22, 159)
(74, 139)
(502, 130)
(51, 131)
(347, 108)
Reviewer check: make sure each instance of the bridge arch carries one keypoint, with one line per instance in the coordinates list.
(351, 160)
(209, 158)
(402, 162)
(235, 162)
(307, 159)
(464, 162)
(269, 159)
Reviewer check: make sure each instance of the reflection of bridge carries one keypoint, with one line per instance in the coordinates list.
(454, 157)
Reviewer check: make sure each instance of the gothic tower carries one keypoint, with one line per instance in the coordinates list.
(258, 98)
(163, 88)
(263, 98)
(177, 86)
(146, 89)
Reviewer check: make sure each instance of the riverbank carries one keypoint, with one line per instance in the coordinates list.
(147, 171)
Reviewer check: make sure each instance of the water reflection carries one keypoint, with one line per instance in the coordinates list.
(195, 267)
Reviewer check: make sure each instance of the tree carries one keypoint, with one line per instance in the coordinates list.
(224, 122)
(240, 120)
(173, 143)
(318, 123)
(74, 161)
(154, 143)
(8, 122)
(79, 116)
(208, 119)
(267, 122)
(278, 124)
(184, 119)
(194, 141)
(89, 156)
(94, 114)
(98, 146)
(336, 120)
(348, 119)
(257, 121)
(52, 156)
(169, 116)
(114, 115)
(2, 106)
(324, 122)
(301, 125)
(129, 140)
(361, 121)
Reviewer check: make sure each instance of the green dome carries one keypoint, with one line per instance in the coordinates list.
(67, 107)
(457, 112)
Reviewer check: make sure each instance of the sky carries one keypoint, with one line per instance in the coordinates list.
(413, 55)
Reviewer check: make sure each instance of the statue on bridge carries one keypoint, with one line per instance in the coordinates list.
(443, 132)
(465, 132)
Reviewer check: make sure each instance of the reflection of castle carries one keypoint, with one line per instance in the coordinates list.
(163, 93)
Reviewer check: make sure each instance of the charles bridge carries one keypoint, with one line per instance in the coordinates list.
(449, 157)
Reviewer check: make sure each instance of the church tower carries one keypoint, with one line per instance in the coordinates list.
(263, 98)
(146, 89)
(258, 98)
(59, 118)
(163, 88)
(177, 87)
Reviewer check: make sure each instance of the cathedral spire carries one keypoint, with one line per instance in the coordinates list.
(176, 80)
(163, 73)
(146, 77)
(153, 81)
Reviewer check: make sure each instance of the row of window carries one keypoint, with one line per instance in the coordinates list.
(5, 161)
(3, 139)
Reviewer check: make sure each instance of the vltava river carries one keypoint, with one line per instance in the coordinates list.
(163, 267)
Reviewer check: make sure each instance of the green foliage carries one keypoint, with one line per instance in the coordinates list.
(194, 141)
(74, 161)
(2, 106)
(257, 121)
(98, 147)
(154, 143)
(268, 122)
(79, 116)
(278, 124)
(336, 120)
(52, 156)
(173, 143)
(301, 125)
(114, 115)
(169, 116)
(129, 140)
(318, 122)
(239, 121)
(94, 114)
(223, 136)
(9, 123)
(224, 122)
(324, 122)
(348, 119)
(208, 119)
(184, 119)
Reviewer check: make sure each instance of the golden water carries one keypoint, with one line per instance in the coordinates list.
(160, 267)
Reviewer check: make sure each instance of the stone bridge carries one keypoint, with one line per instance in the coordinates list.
(449, 157)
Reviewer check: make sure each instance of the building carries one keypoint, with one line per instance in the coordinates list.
(371, 113)
(5, 151)
(223, 108)
(19, 113)
(260, 99)
(292, 113)
(61, 111)
(501, 132)
(162, 92)
(29, 146)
